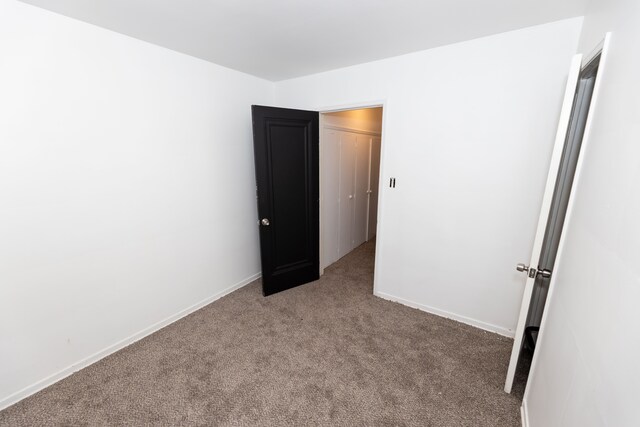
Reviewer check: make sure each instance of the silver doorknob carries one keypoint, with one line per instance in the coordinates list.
(531, 272)
(265, 221)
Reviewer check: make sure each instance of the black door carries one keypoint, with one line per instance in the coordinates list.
(286, 144)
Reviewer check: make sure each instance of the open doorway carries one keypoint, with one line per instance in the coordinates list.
(350, 150)
(317, 183)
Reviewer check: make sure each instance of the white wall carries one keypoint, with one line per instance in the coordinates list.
(126, 187)
(467, 133)
(145, 206)
(586, 372)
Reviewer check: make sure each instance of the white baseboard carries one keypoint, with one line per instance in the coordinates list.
(442, 313)
(524, 416)
(83, 363)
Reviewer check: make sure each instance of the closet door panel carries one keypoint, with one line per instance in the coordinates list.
(330, 196)
(361, 198)
(347, 180)
(374, 183)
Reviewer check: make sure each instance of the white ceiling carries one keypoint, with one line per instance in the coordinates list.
(280, 39)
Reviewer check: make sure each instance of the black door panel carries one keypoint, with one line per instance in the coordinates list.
(286, 144)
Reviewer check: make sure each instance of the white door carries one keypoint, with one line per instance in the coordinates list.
(330, 196)
(561, 136)
(347, 190)
(363, 149)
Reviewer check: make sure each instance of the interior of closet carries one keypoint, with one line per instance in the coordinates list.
(350, 169)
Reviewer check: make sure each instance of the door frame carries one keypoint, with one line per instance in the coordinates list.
(346, 107)
(603, 50)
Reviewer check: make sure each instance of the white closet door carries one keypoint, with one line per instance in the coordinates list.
(361, 211)
(374, 181)
(347, 180)
(330, 196)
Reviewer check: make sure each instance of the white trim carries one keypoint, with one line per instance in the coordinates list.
(382, 174)
(321, 191)
(83, 363)
(443, 313)
(354, 130)
(524, 414)
(595, 52)
(572, 199)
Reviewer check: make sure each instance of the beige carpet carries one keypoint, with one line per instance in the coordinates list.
(327, 353)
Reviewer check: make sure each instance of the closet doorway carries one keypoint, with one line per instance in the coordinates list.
(350, 147)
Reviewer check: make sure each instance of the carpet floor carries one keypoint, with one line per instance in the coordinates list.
(326, 353)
